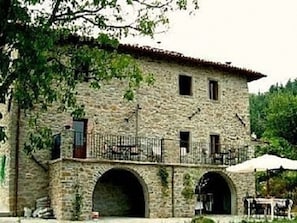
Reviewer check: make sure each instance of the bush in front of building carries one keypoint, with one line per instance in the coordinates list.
(201, 219)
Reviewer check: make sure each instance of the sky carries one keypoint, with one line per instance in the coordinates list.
(260, 35)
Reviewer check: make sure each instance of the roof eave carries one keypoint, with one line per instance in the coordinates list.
(180, 58)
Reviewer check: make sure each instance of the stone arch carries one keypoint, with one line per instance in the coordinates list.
(120, 191)
(217, 192)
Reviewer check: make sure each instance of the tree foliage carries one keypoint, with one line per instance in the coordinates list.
(274, 115)
(39, 65)
(258, 103)
(282, 117)
(274, 120)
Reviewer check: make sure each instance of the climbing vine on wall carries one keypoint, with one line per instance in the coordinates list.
(188, 190)
(77, 203)
(2, 168)
(163, 174)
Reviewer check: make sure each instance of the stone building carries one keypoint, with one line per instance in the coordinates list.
(162, 155)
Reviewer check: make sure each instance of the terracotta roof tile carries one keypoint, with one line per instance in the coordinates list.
(160, 54)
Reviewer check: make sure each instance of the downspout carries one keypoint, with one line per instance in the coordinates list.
(172, 191)
(17, 148)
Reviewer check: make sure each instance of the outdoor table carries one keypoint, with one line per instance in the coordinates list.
(126, 151)
(268, 202)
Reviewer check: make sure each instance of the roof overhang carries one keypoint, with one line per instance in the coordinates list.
(180, 58)
(171, 56)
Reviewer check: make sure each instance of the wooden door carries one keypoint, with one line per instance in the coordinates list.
(80, 138)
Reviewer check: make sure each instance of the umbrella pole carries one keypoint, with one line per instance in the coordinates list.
(267, 184)
(256, 183)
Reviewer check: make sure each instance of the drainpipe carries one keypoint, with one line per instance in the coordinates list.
(172, 192)
(136, 122)
(16, 160)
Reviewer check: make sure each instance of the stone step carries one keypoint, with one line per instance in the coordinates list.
(5, 214)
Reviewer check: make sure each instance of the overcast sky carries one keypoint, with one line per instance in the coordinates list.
(255, 34)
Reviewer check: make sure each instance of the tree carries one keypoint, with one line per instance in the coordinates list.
(35, 38)
(258, 104)
(282, 117)
(273, 118)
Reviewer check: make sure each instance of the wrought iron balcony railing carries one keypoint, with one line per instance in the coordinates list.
(116, 147)
(225, 154)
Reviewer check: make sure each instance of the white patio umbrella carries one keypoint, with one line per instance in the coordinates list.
(264, 163)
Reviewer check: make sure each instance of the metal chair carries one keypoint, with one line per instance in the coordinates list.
(281, 209)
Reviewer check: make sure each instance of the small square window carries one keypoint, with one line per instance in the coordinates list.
(213, 90)
(184, 140)
(185, 85)
(214, 144)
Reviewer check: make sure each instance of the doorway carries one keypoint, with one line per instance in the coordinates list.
(80, 127)
(119, 192)
(214, 194)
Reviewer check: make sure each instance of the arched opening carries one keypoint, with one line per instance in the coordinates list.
(118, 192)
(213, 194)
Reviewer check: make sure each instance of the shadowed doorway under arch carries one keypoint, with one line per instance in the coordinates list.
(118, 192)
(215, 194)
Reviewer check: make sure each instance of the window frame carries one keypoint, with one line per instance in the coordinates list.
(187, 80)
(80, 137)
(213, 89)
(185, 142)
(214, 144)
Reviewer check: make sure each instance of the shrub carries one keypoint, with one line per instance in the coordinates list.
(202, 219)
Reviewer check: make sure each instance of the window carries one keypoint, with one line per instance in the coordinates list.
(80, 127)
(184, 140)
(213, 90)
(185, 85)
(214, 144)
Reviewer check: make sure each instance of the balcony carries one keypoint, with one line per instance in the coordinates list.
(115, 147)
(142, 149)
(226, 154)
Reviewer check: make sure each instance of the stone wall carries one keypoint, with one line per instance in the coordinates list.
(25, 180)
(56, 190)
(65, 174)
(4, 155)
(163, 114)
(115, 197)
(7, 187)
(32, 176)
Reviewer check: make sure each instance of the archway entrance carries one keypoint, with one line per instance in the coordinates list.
(213, 194)
(118, 192)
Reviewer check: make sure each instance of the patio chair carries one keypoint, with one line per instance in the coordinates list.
(245, 205)
(281, 209)
(257, 209)
(135, 153)
(156, 154)
(231, 157)
(104, 151)
(217, 158)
